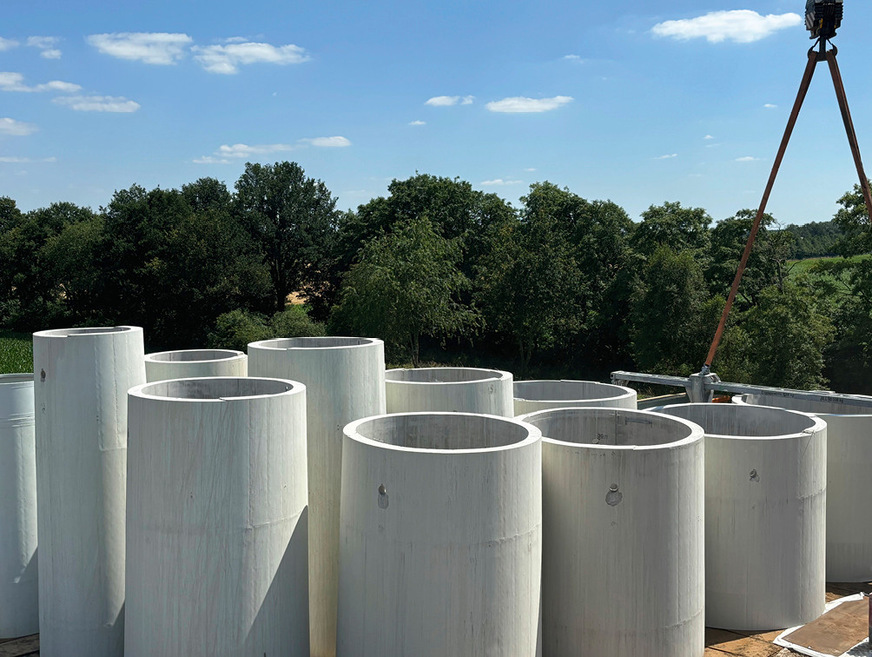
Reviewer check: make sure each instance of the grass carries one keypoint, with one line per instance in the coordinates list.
(16, 352)
(804, 265)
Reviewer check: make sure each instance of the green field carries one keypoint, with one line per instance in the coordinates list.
(16, 352)
(802, 266)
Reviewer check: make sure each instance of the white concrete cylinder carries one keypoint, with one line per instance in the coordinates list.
(441, 537)
(19, 584)
(451, 389)
(532, 396)
(344, 378)
(81, 381)
(765, 510)
(849, 465)
(216, 519)
(623, 561)
(195, 363)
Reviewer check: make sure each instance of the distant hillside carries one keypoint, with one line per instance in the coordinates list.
(815, 239)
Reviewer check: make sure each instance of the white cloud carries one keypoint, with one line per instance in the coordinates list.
(573, 58)
(499, 182)
(530, 169)
(149, 47)
(47, 45)
(739, 26)
(747, 158)
(228, 58)
(770, 106)
(708, 137)
(417, 123)
(327, 142)
(666, 157)
(208, 159)
(98, 103)
(25, 160)
(245, 150)
(467, 100)
(520, 104)
(16, 128)
(7, 44)
(443, 101)
(15, 82)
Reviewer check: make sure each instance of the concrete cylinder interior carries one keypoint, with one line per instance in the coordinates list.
(440, 536)
(216, 519)
(531, 396)
(451, 389)
(623, 559)
(765, 510)
(345, 381)
(849, 464)
(80, 387)
(19, 585)
(195, 363)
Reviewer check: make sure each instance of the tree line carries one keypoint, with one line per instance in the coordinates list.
(560, 285)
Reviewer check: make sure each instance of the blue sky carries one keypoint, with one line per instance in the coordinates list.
(637, 102)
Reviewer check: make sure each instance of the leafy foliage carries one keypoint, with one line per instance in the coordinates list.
(405, 285)
(292, 221)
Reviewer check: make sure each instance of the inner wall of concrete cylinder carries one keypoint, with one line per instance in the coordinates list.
(809, 405)
(313, 343)
(15, 378)
(565, 390)
(443, 431)
(217, 388)
(69, 333)
(742, 421)
(191, 355)
(442, 375)
(589, 426)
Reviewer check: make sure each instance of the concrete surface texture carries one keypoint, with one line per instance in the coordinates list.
(765, 510)
(623, 561)
(441, 536)
(531, 396)
(452, 389)
(216, 519)
(344, 378)
(81, 381)
(194, 363)
(849, 464)
(19, 587)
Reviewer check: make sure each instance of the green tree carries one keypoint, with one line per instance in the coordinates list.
(172, 265)
(39, 299)
(595, 234)
(405, 285)
(672, 316)
(293, 221)
(454, 208)
(767, 264)
(780, 341)
(527, 285)
(674, 226)
(853, 219)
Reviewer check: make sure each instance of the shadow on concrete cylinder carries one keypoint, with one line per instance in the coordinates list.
(765, 511)
(216, 519)
(849, 464)
(531, 396)
(440, 536)
(194, 363)
(19, 585)
(622, 564)
(451, 389)
(344, 378)
(81, 381)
